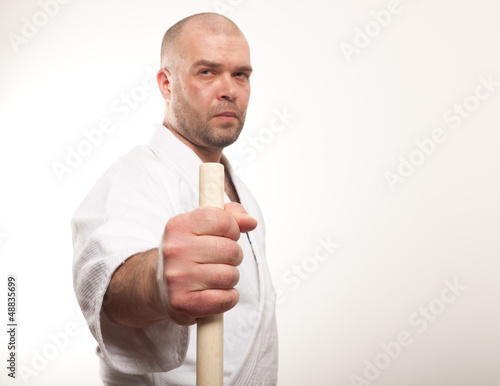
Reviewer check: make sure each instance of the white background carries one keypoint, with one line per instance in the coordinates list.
(321, 177)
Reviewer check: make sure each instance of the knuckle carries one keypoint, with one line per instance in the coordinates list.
(176, 303)
(173, 224)
(172, 277)
(185, 303)
(170, 249)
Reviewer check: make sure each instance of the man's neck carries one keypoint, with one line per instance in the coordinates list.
(207, 156)
(204, 154)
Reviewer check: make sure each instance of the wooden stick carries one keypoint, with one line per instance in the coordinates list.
(210, 340)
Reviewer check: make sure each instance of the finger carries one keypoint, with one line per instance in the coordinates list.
(216, 250)
(216, 276)
(213, 221)
(214, 301)
(198, 304)
(245, 222)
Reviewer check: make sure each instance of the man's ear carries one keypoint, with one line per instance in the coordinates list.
(163, 78)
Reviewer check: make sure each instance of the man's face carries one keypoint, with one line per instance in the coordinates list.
(210, 88)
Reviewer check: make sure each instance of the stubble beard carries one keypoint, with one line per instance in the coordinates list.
(191, 124)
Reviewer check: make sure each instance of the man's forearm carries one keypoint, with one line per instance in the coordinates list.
(132, 297)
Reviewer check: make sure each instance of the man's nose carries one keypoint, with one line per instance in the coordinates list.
(227, 89)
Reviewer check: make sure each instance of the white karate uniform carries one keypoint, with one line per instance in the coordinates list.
(125, 213)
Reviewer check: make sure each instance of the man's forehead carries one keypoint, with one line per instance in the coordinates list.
(201, 48)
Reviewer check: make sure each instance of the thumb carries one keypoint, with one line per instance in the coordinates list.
(246, 222)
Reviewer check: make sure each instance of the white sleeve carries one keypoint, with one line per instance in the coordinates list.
(124, 214)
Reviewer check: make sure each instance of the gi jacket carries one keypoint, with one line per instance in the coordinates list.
(125, 213)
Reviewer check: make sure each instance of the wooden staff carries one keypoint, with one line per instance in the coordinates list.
(210, 340)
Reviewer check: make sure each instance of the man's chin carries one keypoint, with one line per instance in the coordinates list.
(223, 138)
(221, 142)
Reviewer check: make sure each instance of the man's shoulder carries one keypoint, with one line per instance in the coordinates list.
(139, 171)
(135, 178)
(139, 162)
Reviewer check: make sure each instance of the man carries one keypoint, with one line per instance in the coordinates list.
(148, 263)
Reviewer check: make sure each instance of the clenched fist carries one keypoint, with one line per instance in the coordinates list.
(198, 259)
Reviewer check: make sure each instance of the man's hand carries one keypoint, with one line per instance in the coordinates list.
(199, 254)
(194, 275)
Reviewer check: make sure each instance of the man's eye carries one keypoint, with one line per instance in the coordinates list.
(206, 72)
(241, 75)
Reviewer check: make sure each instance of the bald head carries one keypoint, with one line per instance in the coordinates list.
(205, 82)
(171, 48)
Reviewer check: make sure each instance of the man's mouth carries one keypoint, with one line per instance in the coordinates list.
(226, 116)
